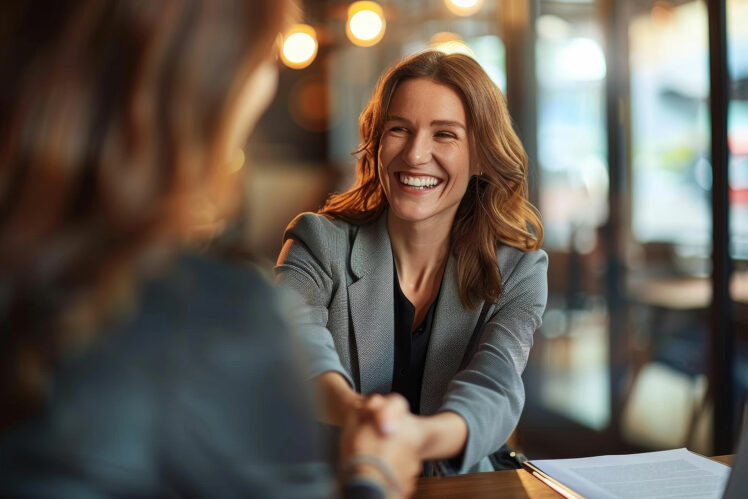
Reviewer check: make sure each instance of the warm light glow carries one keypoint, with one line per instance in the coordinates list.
(366, 24)
(464, 7)
(299, 46)
(450, 43)
(662, 12)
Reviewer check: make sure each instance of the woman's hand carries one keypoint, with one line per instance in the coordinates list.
(392, 457)
(442, 435)
(388, 413)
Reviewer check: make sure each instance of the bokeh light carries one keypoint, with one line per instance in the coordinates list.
(299, 46)
(309, 103)
(464, 7)
(450, 43)
(366, 24)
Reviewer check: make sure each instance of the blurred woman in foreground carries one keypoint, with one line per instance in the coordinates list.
(130, 366)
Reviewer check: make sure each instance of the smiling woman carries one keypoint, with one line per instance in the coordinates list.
(435, 244)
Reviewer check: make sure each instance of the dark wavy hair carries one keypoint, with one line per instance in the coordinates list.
(112, 144)
(495, 209)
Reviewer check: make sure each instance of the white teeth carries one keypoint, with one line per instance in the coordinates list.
(421, 182)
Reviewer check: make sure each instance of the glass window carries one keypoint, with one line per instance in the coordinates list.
(668, 286)
(737, 133)
(669, 84)
(569, 370)
(737, 59)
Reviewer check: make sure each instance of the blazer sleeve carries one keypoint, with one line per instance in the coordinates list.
(305, 266)
(489, 393)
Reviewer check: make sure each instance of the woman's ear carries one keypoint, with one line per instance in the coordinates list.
(476, 170)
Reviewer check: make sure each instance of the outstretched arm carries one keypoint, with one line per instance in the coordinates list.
(337, 399)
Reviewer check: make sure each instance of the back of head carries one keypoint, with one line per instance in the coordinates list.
(113, 147)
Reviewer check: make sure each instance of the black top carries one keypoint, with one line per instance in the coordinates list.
(410, 348)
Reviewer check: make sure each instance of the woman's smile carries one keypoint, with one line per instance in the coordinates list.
(424, 154)
(421, 183)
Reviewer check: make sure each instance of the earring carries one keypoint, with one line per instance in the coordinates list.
(237, 160)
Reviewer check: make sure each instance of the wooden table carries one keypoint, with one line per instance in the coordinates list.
(505, 484)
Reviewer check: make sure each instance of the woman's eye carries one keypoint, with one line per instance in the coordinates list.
(445, 135)
(397, 129)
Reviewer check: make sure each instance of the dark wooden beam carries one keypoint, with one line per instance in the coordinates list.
(614, 17)
(517, 21)
(721, 359)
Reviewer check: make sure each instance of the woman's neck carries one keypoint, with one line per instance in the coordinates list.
(420, 251)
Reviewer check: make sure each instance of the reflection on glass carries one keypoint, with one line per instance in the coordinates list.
(570, 365)
(737, 132)
(669, 256)
(737, 58)
(571, 142)
(671, 178)
(490, 52)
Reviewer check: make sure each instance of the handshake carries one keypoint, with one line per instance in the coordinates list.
(382, 442)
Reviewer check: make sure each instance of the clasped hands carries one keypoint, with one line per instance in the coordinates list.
(382, 441)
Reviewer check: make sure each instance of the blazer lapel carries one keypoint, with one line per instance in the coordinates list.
(450, 335)
(371, 300)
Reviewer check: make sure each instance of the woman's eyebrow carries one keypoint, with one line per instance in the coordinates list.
(448, 123)
(433, 123)
(394, 117)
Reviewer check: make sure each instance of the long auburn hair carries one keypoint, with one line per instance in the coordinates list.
(495, 209)
(113, 140)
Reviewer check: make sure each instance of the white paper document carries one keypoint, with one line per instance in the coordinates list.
(676, 473)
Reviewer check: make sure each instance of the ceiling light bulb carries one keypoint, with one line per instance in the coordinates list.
(366, 24)
(299, 46)
(464, 7)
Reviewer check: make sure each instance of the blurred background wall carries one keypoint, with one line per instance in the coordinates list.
(612, 101)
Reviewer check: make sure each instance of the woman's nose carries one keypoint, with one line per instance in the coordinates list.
(418, 149)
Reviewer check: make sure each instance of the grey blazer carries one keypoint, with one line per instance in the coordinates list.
(344, 273)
